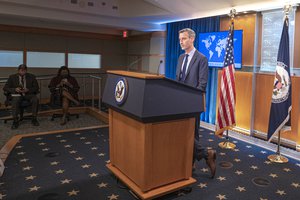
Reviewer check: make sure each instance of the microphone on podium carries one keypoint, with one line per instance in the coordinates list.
(132, 63)
(158, 67)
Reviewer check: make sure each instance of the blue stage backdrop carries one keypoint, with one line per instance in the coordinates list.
(173, 50)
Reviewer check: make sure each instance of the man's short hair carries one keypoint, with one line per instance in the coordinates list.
(191, 32)
(22, 66)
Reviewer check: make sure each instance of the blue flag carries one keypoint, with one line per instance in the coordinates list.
(282, 89)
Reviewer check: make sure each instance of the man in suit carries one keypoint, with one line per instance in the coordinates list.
(192, 69)
(22, 86)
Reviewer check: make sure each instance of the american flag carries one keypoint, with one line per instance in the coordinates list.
(226, 106)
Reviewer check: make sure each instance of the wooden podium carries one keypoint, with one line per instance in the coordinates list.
(151, 133)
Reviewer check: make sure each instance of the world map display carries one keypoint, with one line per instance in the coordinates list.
(213, 46)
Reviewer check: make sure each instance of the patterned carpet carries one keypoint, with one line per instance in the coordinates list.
(46, 124)
(71, 166)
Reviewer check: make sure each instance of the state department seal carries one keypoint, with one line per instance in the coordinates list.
(282, 84)
(121, 91)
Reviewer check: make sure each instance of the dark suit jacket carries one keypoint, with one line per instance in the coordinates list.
(13, 82)
(197, 73)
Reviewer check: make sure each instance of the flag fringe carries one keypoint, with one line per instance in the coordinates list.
(222, 130)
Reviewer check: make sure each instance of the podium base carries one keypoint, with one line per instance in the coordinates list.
(226, 145)
(277, 158)
(154, 193)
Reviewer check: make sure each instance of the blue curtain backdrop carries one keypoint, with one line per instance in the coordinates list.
(173, 50)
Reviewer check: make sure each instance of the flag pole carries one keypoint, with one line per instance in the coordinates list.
(227, 144)
(278, 158)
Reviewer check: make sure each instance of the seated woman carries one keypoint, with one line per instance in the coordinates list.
(64, 89)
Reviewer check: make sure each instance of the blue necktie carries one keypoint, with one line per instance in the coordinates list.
(184, 67)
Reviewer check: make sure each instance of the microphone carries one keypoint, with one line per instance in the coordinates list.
(134, 62)
(158, 67)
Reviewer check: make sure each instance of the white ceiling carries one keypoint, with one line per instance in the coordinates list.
(107, 15)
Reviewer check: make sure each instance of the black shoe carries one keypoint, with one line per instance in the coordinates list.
(35, 122)
(15, 124)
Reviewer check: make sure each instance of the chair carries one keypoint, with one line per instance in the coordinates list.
(23, 105)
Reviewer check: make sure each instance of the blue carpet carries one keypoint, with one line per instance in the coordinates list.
(71, 166)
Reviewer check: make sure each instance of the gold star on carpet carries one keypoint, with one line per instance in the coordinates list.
(19, 147)
(2, 195)
(262, 198)
(62, 141)
(27, 168)
(54, 163)
(79, 158)
(73, 192)
(67, 146)
(180, 193)
(281, 192)
(204, 169)
(45, 149)
(113, 197)
(273, 175)
(287, 169)
(267, 162)
(237, 160)
(296, 185)
(34, 188)
(254, 167)
(107, 162)
(239, 172)
(102, 185)
(221, 178)
(221, 196)
(101, 154)
(30, 177)
(58, 136)
(41, 144)
(210, 140)
(202, 185)
(60, 171)
(72, 152)
(241, 189)
(263, 152)
(251, 156)
(249, 146)
(94, 148)
(39, 138)
(24, 160)
(65, 181)
(236, 150)
(21, 153)
(77, 133)
(87, 143)
(222, 154)
(93, 175)
(85, 166)
(82, 138)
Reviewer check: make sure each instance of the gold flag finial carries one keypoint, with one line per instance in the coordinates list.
(232, 13)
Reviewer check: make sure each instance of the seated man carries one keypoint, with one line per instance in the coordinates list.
(22, 86)
(64, 88)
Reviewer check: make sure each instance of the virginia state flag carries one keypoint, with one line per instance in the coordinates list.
(282, 89)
